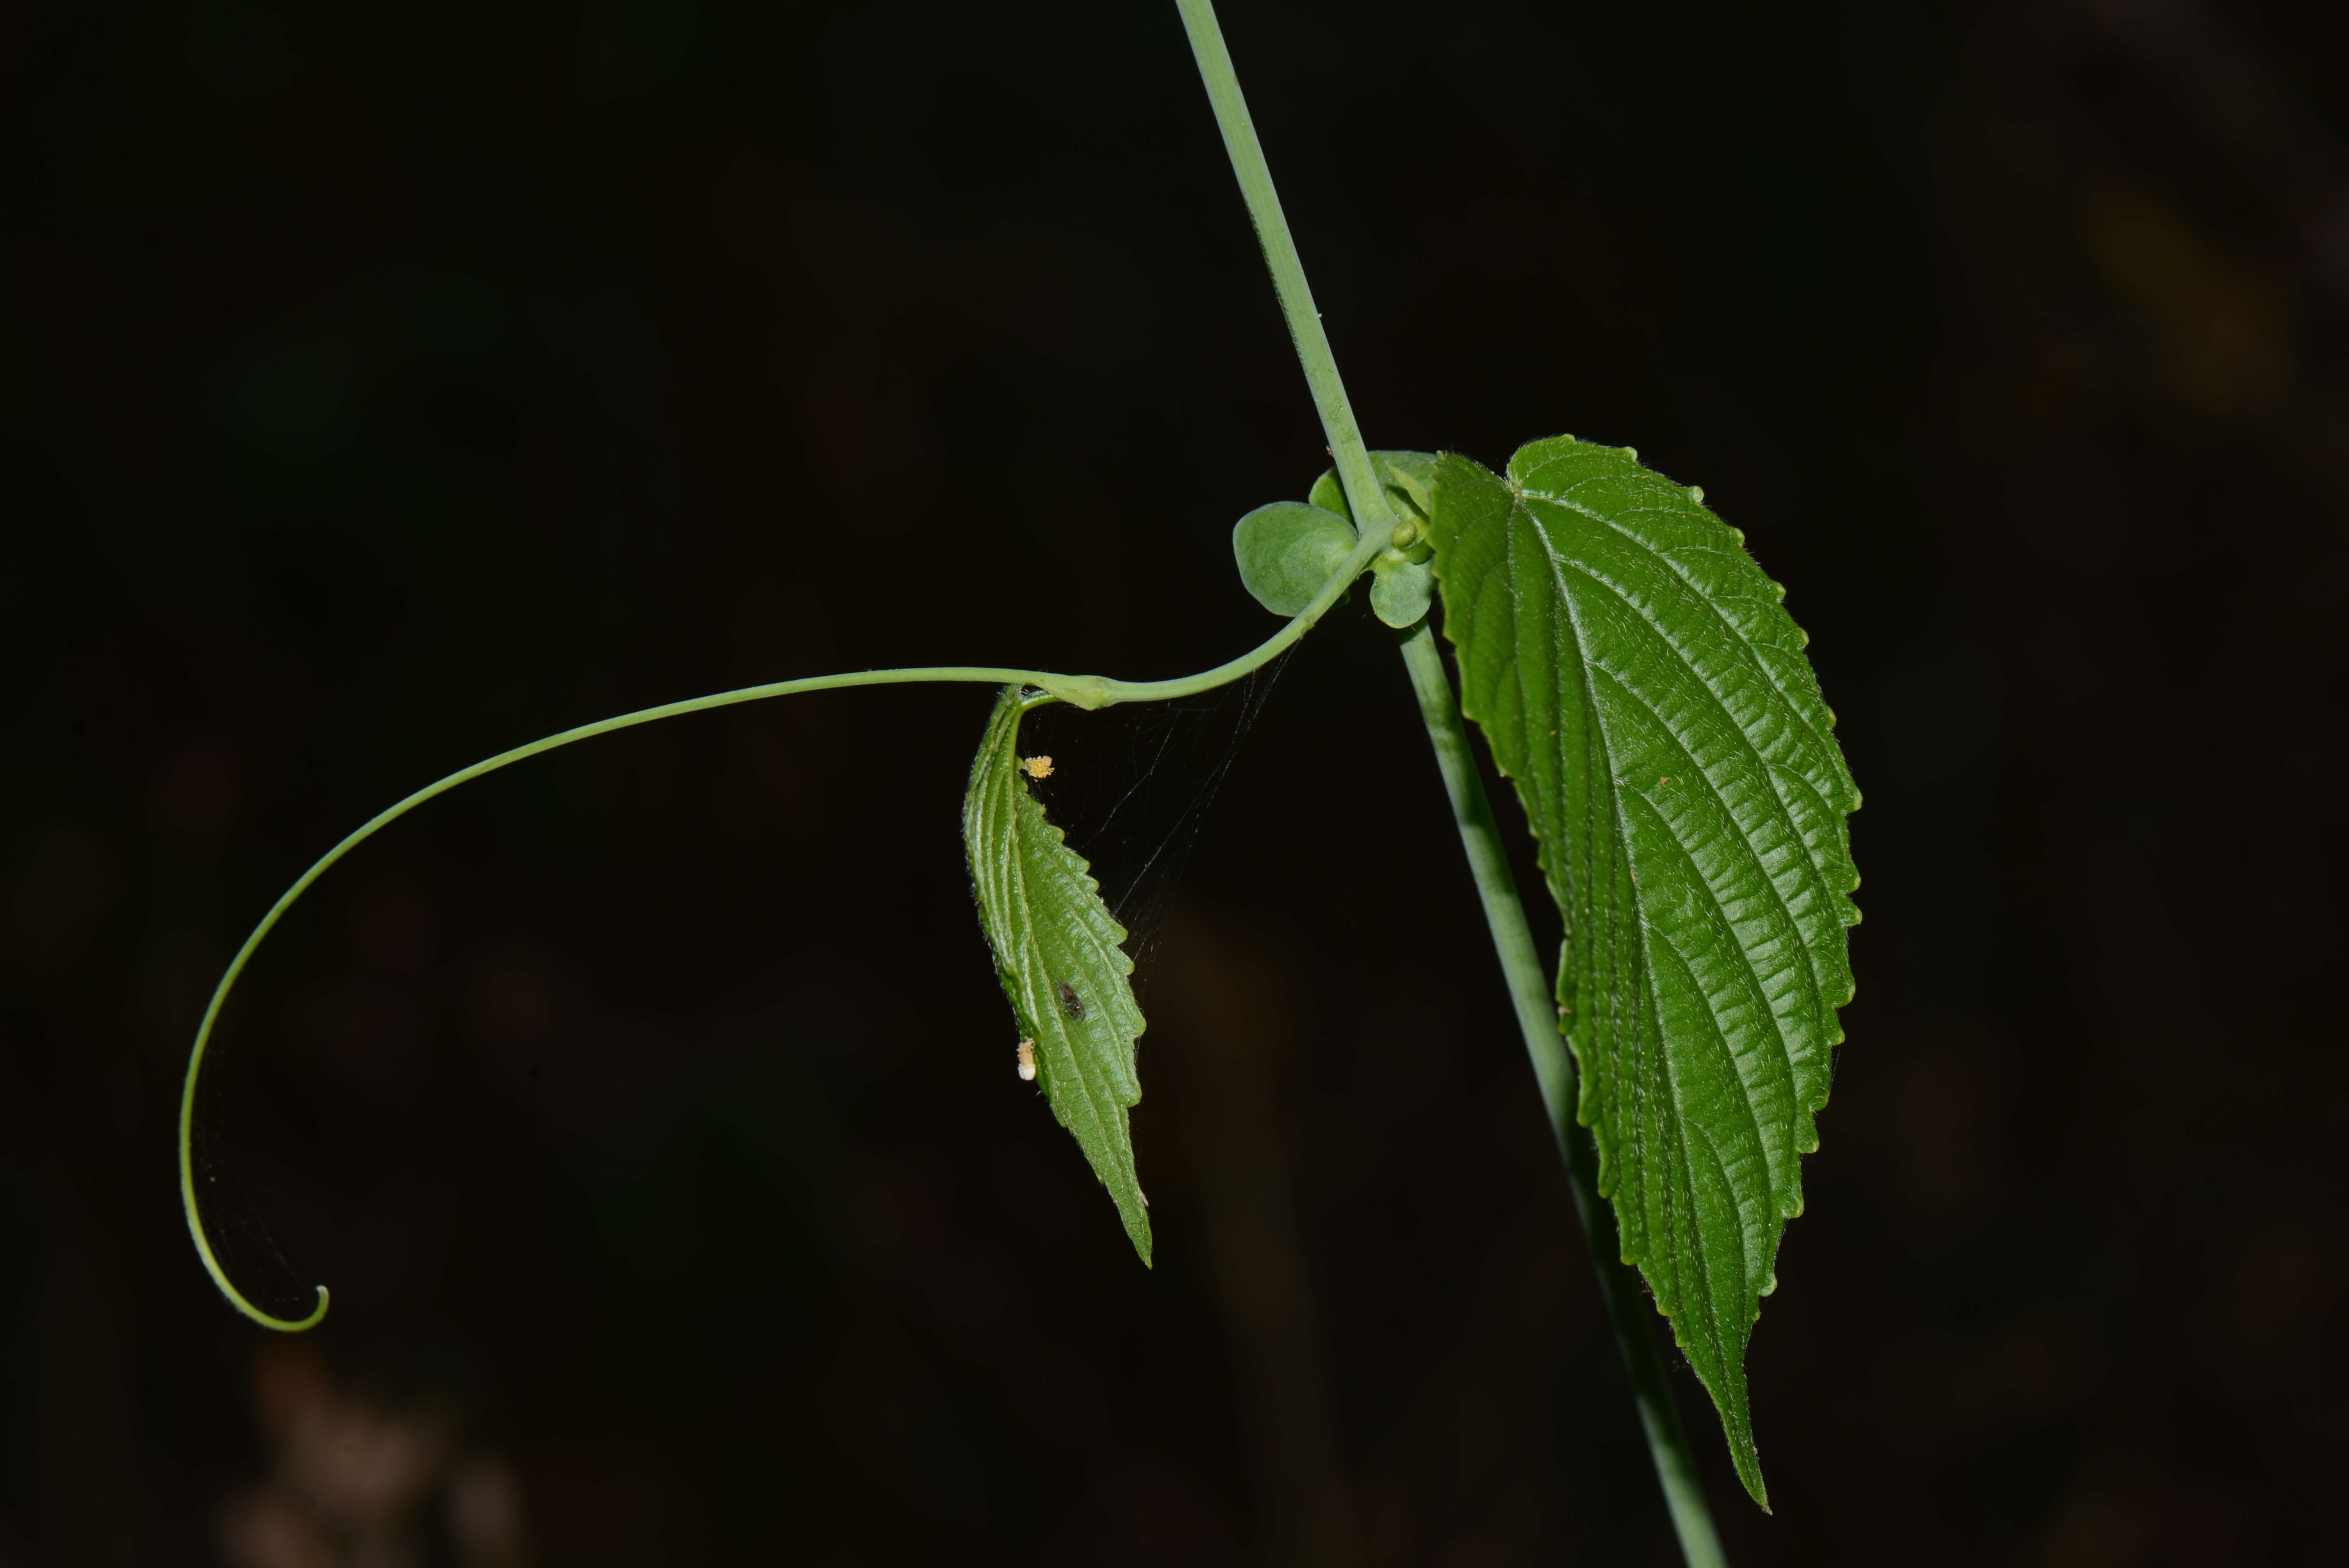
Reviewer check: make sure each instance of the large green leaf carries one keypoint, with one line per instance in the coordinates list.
(1058, 954)
(1640, 682)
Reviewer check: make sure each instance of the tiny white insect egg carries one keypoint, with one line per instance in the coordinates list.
(1027, 1061)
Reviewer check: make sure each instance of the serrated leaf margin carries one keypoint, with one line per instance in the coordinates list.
(1642, 547)
(1044, 920)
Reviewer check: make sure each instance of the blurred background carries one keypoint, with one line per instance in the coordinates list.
(388, 384)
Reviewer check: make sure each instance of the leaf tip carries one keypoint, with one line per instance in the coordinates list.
(1742, 1454)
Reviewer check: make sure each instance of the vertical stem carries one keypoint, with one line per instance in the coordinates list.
(1363, 491)
(1528, 985)
(1529, 989)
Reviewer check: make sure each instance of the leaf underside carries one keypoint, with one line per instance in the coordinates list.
(1043, 915)
(1640, 684)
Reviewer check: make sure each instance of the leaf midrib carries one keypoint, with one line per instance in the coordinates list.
(1785, 812)
(1687, 1256)
(1801, 940)
(1691, 1126)
(1031, 950)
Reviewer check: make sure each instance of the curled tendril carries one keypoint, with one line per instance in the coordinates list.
(188, 1105)
(1083, 684)
(1080, 691)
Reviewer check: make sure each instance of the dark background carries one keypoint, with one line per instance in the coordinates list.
(388, 384)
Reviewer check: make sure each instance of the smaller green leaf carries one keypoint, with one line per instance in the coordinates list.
(1411, 476)
(1288, 551)
(1330, 496)
(1060, 955)
(1400, 592)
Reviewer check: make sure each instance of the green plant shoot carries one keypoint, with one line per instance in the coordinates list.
(1639, 683)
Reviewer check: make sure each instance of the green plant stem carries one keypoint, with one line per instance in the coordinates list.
(1528, 986)
(1346, 450)
(1082, 691)
(1529, 989)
